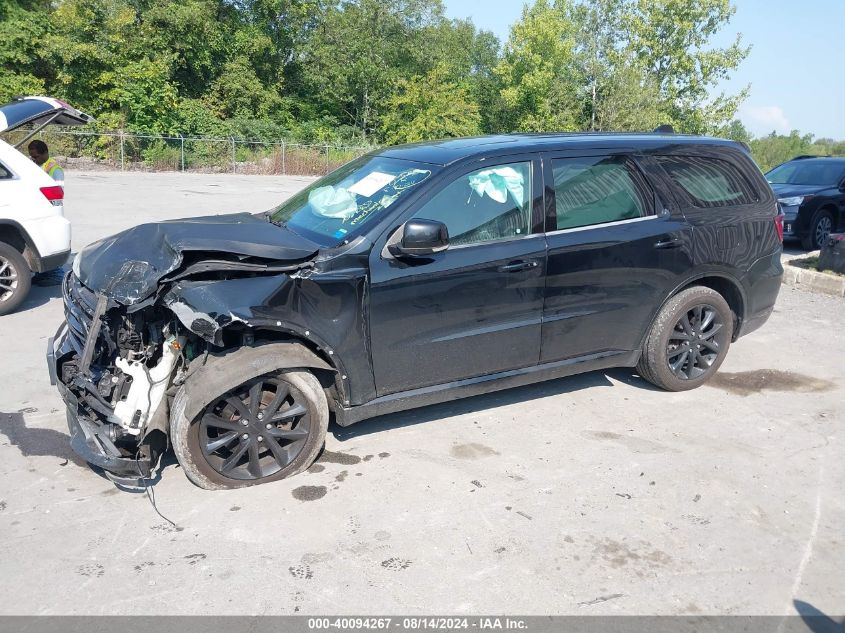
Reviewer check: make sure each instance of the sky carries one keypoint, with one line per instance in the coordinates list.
(795, 68)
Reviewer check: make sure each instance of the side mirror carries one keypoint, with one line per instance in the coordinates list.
(421, 238)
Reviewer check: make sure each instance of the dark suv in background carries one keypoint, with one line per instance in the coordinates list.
(811, 192)
(413, 275)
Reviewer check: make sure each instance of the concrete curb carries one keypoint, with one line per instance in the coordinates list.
(813, 280)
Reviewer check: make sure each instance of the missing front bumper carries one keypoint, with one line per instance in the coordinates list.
(91, 439)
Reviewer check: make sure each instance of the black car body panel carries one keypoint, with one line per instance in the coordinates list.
(399, 332)
(604, 281)
(815, 198)
(798, 219)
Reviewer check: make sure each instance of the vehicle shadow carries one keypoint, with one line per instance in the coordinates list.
(34, 441)
(476, 404)
(45, 286)
(817, 621)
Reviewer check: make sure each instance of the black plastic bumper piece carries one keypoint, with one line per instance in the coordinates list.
(51, 361)
(87, 441)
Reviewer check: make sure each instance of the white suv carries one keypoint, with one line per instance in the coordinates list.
(34, 234)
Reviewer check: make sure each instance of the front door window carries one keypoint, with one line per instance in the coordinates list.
(485, 205)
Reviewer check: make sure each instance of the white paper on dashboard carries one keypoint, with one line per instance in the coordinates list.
(371, 183)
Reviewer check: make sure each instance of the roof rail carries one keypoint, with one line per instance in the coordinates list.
(803, 156)
(664, 129)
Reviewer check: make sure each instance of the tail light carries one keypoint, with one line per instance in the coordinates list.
(779, 224)
(54, 194)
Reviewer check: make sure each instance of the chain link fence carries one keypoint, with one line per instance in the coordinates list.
(90, 150)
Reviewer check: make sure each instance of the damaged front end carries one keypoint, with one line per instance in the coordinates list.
(142, 309)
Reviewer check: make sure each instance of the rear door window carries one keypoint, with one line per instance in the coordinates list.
(594, 190)
(709, 182)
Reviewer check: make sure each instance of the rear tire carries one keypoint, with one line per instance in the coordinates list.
(820, 229)
(15, 278)
(688, 340)
(246, 436)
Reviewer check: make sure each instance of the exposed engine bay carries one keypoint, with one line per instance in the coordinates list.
(135, 329)
(126, 366)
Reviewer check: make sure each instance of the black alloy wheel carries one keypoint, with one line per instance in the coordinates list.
(820, 229)
(695, 343)
(256, 430)
(688, 340)
(824, 227)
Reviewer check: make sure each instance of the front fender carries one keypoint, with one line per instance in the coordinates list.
(223, 372)
(329, 309)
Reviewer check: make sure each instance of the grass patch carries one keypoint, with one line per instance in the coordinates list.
(812, 263)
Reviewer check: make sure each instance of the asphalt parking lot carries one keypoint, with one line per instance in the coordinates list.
(595, 494)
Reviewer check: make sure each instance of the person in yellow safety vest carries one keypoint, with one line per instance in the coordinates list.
(40, 154)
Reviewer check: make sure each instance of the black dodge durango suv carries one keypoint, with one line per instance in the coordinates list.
(413, 275)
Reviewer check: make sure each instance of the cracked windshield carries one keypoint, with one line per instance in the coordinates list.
(331, 210)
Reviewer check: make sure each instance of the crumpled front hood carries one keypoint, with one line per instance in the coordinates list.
(128, 266)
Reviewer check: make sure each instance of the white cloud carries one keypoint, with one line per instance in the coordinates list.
(762, 120)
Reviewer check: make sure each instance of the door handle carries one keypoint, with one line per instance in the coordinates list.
(514, 267)
(675, 242)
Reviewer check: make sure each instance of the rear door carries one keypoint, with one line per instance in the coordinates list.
(727, 200)
(617, 246)
(475, 308)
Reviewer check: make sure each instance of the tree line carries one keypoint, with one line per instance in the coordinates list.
(373, 71)
(773, 149)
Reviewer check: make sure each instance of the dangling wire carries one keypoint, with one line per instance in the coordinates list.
(151, 493)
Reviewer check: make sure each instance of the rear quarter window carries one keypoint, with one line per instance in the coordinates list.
(5, 174)
(709, 182)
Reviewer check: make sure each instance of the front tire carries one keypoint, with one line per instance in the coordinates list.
(15, 278)
(688, 340)
(820, 229)
(266, 429)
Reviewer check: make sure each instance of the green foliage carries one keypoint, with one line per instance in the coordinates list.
(347, 71)
(735, 131)
(469, 57)
(670, 39)
(536, 72)
(22, 25)
(352, 63)
(13, 84)
(627, 100)
(774, 149)
(159, 155)
(86, 48)
(430, 107)
(195, 118)
(617, 65)
(144, 95)
(238, 93)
